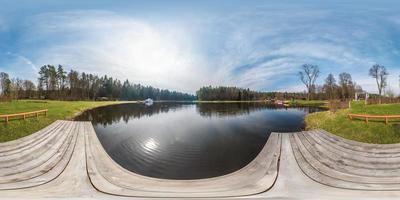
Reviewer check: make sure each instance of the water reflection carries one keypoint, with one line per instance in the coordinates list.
(150, 144)
(114, 114)
(188, 140)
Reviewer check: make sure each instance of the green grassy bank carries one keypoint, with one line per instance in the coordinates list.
(376, 131)
(312, 103)
(57, 110)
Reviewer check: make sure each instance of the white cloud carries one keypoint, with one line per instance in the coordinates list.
(257, 49)
(119, 46)
(274, 46)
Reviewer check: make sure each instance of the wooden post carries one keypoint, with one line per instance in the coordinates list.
(24, 116)
(366, 119)
(386, 120)
(6, 119)
(37, 115)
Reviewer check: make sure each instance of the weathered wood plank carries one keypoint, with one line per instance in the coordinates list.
(42, 163)
(109, 177)
(47, 169)
(331, 161)
(337, 169)
(18, 149)
(37, 153)
(21, 142)
(389, 148)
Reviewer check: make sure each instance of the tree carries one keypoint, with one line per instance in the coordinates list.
(61, 77)
(347, 86)
(43, 81)
(73, 81)
(380, 74)
(330, 86)
(29, 88)
(308, 76)
(5, 84)
(17, 90)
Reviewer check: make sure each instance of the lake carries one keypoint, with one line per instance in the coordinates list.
(190, 140)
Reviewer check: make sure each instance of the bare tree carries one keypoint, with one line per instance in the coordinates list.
(308, 76)
(347, 86)
(29, 88)
(380, 74)
(5, 84)
(330, 86)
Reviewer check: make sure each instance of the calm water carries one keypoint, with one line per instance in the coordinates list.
(188, 140)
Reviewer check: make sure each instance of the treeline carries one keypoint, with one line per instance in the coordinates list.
(220, 93)
(131, 91)
(226, 93)
(57, 84)
(344, 89)
(15, 88)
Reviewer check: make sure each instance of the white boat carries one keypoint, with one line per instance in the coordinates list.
(148, 102)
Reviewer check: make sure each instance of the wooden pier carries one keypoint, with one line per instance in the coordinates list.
(66, 160)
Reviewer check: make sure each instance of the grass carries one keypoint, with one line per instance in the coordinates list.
(376, 131)
(57, 110)
(312, 103)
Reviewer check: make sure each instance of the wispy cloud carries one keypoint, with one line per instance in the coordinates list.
(257, 47)
(107, 43)
(24, 59)
(265, 49)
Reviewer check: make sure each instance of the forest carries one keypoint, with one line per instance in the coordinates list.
(210, 93)
(56, 84)
(342, 88)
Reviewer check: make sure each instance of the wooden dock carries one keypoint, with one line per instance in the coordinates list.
(38, 158)
(66, 160)
(258, 176)
(337, 162)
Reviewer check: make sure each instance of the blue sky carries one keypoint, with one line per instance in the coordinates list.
(184, 45)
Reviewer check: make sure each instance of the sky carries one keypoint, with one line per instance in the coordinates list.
(184, 45)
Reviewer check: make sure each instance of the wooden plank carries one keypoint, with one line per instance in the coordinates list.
(28, 149)
(357, 150)
(309, 170)
(37, 142)
(346, 154)
(50, 174)
(39, 170)
(40, 155)
(20, 143)
(320, 156)
(377, 150)
(109, 177)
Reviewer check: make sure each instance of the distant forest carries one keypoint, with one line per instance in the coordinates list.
(210, 93)
(344, 89)
(57, 84)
